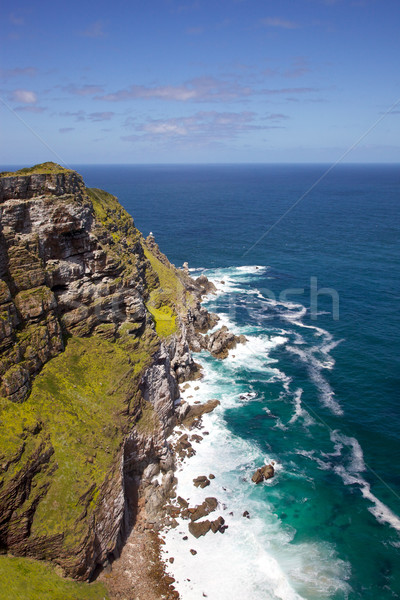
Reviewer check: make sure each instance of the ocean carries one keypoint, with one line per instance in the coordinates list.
(316, 386)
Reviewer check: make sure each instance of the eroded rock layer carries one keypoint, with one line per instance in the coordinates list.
(96, 331)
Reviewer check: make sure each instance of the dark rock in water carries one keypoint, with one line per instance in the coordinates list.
(193, 417)
(182, 502)
(211, 476)
(263, 474)
(223, 340)
(217, 525)
(204, 285)
(194, 552)
(204, 509)
(246, 514)
(268, 471)
(199, 528)
(202, 481)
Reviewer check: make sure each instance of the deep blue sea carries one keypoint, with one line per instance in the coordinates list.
(316, 387)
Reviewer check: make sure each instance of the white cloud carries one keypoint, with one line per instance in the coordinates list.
(200, 89)
(24, 96)
(201, 127)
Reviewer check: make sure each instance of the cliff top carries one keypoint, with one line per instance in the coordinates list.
(46, 168)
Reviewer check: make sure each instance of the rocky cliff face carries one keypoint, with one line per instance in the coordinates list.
(95, 332)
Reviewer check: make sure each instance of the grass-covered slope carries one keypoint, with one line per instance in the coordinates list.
(61, 445)
(47, 168)
(27, 579)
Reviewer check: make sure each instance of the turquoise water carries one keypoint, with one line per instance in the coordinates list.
(323, 398)
(316, 388)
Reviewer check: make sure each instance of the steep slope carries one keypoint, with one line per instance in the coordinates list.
(95, 329)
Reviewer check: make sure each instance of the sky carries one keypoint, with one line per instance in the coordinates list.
(199, 81)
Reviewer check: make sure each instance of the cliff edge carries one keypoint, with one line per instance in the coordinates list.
(96, 328)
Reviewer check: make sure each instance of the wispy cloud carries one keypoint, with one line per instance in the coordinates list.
(24, 96)
(298, 90)
(18, 72)
(78, 115)
(299, 68)
(94, 30)
(83, 90)
(66, 129)
(201, 89)
(100, 116)
(31, 108)
(279, 22)
(277, 117)
(203, 126)
(81, 115)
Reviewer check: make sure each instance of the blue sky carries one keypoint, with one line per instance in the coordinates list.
(199, 81)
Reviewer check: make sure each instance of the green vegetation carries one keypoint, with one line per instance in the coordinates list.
(170, 290)
(113, 217)
(25, 579)
(77, 406)
(47, 168)
(69, 431)
(164, 319)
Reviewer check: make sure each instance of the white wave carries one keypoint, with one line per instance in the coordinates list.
(381, 512)
(314, 370)
(253, 269)
(350, 475)
(299, 411)
(263, 563)
(325, 466)
(356, 462)
(278, 375)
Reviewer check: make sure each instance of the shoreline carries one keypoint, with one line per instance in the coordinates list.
(142, 569)
(155, 511)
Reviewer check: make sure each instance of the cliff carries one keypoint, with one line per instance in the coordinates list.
(95, 333)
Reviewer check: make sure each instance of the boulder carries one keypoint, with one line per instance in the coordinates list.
(201, 481)
(263, 473)
(193, 417)
(223, 340)
(204, 509)
(217, 525)
(199, 528)
(182, 502)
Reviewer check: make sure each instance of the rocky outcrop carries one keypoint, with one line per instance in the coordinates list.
(263, 474)
(223, 340)
(96, 331)
(193, 413)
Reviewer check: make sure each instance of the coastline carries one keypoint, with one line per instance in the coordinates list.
(151, 520)
(143, 567)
